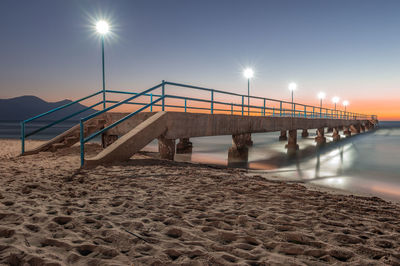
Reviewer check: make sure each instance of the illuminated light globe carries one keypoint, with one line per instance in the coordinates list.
(321, 95)
(345, 103)
(335, 99)
(102, 27)
(292, 86)
(248, 73)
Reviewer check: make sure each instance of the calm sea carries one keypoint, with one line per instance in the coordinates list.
(368, 164)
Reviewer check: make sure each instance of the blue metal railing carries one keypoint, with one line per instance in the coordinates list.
(23, 123)
(267, 107)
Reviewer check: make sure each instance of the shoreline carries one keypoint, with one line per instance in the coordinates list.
(149, 211)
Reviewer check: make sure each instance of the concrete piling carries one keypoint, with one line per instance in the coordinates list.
(304, 133)
(166, 148)
(292, 145)
(347, 132)
(320, 138)
(184, 146)
(238, 154)
(283, 135)
(336, 135)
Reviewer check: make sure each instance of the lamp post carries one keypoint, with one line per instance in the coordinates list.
(103, 28)
(335, 100)
(345, 104)
(248, 73)
(321, 96)
(292, 88)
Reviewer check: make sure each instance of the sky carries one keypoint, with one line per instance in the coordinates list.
(350, 49)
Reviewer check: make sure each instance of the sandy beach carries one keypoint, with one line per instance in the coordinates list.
(154, 212)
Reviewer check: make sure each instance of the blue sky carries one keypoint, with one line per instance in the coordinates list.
(345, 48)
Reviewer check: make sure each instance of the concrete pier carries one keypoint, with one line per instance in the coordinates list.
(336, 135)
(184, 146)
(320, 138)
(292, 145)
(139, 130)
(347, 132)
(283, 135)
(238, 154)
(166, 148)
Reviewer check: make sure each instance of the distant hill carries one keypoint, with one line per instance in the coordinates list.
(24, 107)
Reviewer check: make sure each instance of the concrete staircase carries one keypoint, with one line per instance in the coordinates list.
(133, 141)
(69, 137)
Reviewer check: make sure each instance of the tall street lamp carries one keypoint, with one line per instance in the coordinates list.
(345, 104)
(248, 73)
(321, 96)
(335, 100)
(103, 28)
(292, 88)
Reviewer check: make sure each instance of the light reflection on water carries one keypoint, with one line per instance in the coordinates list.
(366, 164)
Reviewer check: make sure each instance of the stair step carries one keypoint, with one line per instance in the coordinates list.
(57, 146)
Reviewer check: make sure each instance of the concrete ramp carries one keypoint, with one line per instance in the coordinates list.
(69, 137)
(133, 141)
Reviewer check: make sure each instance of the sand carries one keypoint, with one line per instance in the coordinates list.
(154, 212)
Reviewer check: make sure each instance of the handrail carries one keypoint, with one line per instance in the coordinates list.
(83, 140)
(23, 123)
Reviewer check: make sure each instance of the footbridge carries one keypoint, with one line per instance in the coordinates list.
(172, 111)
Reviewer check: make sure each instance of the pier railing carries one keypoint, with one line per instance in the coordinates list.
(162, 98)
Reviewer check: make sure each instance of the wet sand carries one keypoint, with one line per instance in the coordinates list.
(155, 212)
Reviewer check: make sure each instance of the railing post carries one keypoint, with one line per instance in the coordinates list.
(151, 101)
(82, 137)
(264, 106)
(185, 105)
(231, 108)
(280, 109)
(212, 101)
(163, 94)
(242, 104)
(313, 112)
(305, 111)
(22, 137)
(294, 109)
(273, 111)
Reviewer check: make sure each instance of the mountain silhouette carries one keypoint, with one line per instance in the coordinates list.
(24, 107)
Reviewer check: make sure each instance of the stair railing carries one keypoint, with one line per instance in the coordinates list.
(24, 135)
(83, 140)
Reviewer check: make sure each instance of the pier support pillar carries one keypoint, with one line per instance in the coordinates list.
(304, 133)
(336, 135)
(249, 142)
(107, 140)
(362, 128)
(320, 138)
(292, 145)
(347, 132)
(184, 146)
(329, 130)
(355, 129)
(283, 135)
(166, 148)
(238, 154)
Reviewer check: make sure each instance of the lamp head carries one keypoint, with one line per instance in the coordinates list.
(321, 95)
(248, 73)
(345, 103)
(102, 27)
(292, 86)
(335, 99)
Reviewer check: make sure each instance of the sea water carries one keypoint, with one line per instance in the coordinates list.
(366, 164)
